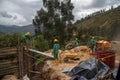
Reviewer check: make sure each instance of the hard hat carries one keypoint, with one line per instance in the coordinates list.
(76, 38)
(93, 37)
(27, 33)
(55, 40)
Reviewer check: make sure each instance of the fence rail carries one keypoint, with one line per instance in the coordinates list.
(8, 61)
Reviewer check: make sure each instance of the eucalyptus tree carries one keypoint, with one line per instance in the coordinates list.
(53, 19)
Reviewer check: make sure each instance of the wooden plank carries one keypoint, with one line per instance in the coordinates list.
(5, 71)
(45, 54)
(8, 61)
(4, 62)
(7, 53)
(7, 49)
(8, 71)
(7, 68)
(36, 72)
(7, 65)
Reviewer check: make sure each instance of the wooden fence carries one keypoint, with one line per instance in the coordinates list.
(15, 61)
(8, 61)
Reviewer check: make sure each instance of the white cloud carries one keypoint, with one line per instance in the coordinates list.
(31, 0)
(23, 9)
(81, 3)
(21, 12)
(16, 18)
(83, 8)
(9, 6)
(20, 19)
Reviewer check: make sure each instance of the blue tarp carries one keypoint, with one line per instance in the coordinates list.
(89, 70)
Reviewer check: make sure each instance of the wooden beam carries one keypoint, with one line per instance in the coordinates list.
(37, 72)
(2, 50)
(42, 53)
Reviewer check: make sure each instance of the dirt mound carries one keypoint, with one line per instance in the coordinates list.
(9, 77)
(53, 71)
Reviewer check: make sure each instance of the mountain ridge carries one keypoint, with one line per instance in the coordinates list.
(9, 29)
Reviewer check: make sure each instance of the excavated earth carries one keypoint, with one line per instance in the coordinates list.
(53, 71)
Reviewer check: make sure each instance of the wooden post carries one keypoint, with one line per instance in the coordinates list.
(20, 57)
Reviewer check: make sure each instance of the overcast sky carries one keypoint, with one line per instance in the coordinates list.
(21, 12)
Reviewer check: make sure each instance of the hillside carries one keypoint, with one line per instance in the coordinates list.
(102, 23)
(13, 29)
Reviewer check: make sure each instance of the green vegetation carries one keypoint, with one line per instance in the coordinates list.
(40, 43)
(8, 40)
(103, 25)
(49, 25)
(52, 20)
(12, 40)
(55, 21)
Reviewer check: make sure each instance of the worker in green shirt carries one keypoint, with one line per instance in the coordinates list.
(92, 44)
(25, 39)
(55, 51)
(75, 42)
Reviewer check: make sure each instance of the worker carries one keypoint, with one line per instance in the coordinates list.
(55, 51)
(75, 42)
(25, 40)
(92, 43)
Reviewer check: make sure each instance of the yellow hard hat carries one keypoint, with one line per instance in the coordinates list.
(93, 37)
(55, 40)
(27, 33)
(76, 38)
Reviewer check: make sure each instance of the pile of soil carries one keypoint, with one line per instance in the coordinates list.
(53, 71)
(9, 77)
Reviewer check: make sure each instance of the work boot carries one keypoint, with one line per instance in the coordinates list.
(25, 48)
(56, 62)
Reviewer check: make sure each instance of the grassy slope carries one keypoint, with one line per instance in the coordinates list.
(108, 22)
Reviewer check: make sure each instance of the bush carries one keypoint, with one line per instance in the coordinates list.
(8, 40)
(40, 43)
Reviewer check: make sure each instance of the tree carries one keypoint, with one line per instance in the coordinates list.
(53, 19)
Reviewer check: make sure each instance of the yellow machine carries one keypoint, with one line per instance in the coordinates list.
(65, 56)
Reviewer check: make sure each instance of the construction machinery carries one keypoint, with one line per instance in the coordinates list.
(104, 53)
(102, 46)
